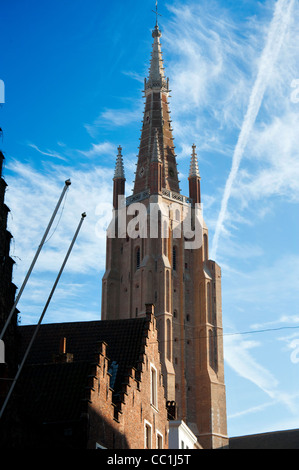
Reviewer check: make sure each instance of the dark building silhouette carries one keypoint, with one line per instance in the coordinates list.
(89, 385)
(7, 287)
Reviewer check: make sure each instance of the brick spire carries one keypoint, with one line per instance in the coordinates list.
(156, 120)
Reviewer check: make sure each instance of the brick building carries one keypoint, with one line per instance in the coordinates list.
(91, 385)
(157, 354)
(7, 287)
(167, 269)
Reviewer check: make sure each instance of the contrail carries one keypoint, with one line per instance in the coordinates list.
(276, 35)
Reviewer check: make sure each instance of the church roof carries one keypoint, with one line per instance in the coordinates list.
(51, 393)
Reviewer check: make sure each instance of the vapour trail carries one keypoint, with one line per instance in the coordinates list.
(276, 34)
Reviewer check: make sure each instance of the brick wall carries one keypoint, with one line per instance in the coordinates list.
(123, 426)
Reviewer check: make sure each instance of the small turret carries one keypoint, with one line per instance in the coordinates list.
(194, 178)
(119, 179)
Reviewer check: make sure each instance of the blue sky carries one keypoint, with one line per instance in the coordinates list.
(73, 74)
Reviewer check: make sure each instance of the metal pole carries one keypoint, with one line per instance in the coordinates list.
(67, 184)
(41, 318)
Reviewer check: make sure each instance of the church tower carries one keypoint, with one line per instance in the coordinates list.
(158, 266)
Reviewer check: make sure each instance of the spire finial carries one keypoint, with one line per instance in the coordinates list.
(156, 73)
(157, 14)
(194, 171)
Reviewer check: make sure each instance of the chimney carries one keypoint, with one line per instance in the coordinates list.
(171, 410)
(63, 356)
(62, 346)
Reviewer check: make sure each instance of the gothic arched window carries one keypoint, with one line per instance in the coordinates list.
(205, 247)
(174, 258)
(137, 258)
(168, 339)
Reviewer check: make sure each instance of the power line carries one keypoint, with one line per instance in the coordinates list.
(240, 333)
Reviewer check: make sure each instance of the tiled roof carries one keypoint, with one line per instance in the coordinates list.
(53, 391)
(288, 439)
(122, 336)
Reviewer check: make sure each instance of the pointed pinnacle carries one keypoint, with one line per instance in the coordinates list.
(194, 171)
(119, 167)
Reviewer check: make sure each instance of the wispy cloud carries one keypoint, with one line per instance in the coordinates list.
(244, 287)
(29, 217)
(238, 356)
(48, 153)
(276, 35)
(97, 150)
(136, 76)
(115, 118)
(274, 147)
(208, 69)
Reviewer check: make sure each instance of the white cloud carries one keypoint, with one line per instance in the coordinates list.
(48, 153)
(276, 35)
(260, 286)
(275, 148)
(136, 76)
(238, 357)
(114, 117)
(32, 196)
(97, 150)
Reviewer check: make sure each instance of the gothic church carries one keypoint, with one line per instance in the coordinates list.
(182, 283)
(156, 356)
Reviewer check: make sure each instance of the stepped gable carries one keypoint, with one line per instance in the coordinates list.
(61, 386)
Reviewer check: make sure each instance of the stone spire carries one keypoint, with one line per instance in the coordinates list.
(156, 132)
(194, 171)
(156, 78)
(119, 167)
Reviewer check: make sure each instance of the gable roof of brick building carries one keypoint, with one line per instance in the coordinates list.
(53, 383)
